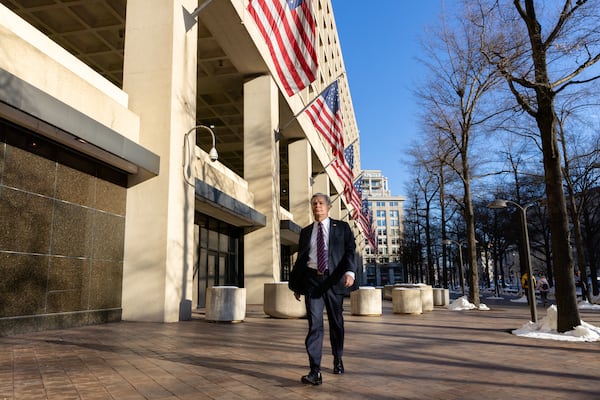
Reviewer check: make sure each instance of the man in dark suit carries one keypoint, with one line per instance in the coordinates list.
(322, 272)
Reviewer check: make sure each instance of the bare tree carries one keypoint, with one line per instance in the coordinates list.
(539, 63)
(427, 184)
(454, 107)
(580, 160)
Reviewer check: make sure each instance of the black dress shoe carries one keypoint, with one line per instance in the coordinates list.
(338, 367)
(313, 378)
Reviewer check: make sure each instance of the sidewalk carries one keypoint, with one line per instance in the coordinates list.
(438, 355)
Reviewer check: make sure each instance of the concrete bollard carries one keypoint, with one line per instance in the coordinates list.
(406, 301)
(441, 297)
(426, 294)
(426, 297)
(387, 291)
(366, 301)
(225, 304)
(279, 301)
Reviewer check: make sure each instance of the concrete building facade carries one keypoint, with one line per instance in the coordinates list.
(112, 203)
(388, 214)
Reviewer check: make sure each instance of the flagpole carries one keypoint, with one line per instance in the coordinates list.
(288, 123)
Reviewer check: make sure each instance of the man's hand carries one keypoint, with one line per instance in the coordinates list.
(297, 296)
(348, 280)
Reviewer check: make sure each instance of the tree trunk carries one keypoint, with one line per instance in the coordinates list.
(430, 265)
(591, 251)
(443, 217)
(581, 263)
(566, 298)
(473, 275)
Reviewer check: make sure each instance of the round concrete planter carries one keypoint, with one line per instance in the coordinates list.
(406, 301)
(279, 301)
(426, 294)
(366, 301)
(225, 304)
(441, 297)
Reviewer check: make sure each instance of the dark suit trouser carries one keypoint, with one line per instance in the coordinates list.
(333, 303)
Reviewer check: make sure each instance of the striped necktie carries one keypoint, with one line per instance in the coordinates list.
(321, 253)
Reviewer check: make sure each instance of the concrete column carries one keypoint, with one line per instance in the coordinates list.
(262, 251)
(300, 169)
(160, 78)
(320, 184)
(336, 208)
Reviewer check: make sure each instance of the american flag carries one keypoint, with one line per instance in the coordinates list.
(326, 116)
(349, 156)
(354, 197)
(369, 226)
(360, 212)
(358, 184)
(341, 168)
(288, 27)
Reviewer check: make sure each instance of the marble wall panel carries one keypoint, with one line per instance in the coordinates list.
(23, 284)
(26, 222)
(2, 146)
(109, 236)
(28, 171)
(68, 284)
(72, 230)
(62, 228)
(106, 284)
(110, 197)
(75, 186)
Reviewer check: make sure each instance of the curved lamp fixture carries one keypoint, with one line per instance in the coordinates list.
(214, 156)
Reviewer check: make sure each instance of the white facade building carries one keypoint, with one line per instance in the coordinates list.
(388, 215)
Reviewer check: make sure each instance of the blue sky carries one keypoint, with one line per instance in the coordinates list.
(380, 44)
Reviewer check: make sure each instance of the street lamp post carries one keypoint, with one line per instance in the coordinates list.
(460, 262)
(500, 203)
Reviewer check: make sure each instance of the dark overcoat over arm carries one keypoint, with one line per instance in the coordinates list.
(341, 252)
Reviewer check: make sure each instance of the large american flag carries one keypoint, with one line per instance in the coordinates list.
(288, 27)
(325, 114)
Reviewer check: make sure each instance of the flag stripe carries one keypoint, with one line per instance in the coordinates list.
(326, 117)
(327, 124)
(290, 35)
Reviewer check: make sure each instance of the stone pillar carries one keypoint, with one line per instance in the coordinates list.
(300, 169)
(336, 208)
(320, 184)
(262, 251)
(159, 75)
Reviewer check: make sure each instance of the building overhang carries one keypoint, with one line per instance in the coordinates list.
(289, 232)
(42, 114)
(211, 201)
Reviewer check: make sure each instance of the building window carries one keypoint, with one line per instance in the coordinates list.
(219, 259)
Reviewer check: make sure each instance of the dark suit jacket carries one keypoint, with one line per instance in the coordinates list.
(340, 259)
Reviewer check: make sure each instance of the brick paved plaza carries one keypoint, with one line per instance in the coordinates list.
(438, 355)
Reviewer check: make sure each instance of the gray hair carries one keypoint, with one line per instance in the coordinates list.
(322, 195)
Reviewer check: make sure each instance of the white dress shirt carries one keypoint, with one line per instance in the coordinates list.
(312, 254)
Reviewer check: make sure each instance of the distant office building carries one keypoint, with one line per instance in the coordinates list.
(114, 202)
(383, 267)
